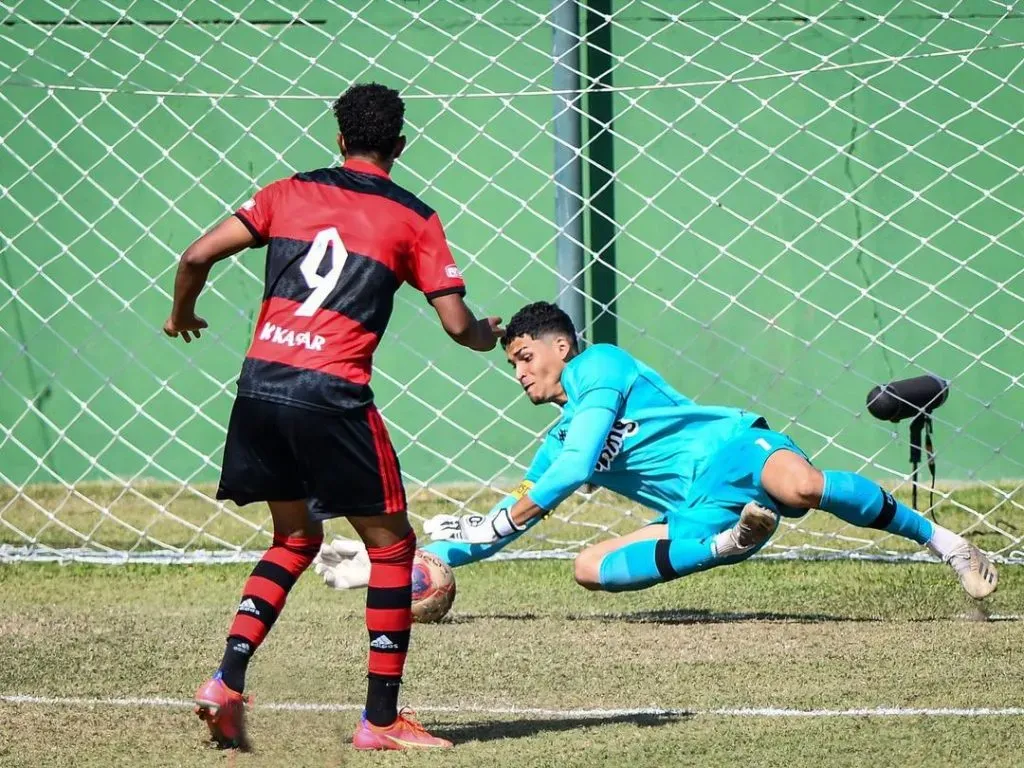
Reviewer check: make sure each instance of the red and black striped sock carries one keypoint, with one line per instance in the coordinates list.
(388, 620)
(263, 598)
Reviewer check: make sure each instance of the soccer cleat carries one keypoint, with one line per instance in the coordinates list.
(755, 526)
(976, 573)
(405, 733)
(224, 712)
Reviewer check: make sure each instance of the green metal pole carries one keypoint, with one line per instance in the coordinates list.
(565, 26)
(601, 171)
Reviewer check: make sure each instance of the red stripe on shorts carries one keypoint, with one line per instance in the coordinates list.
(394, 498)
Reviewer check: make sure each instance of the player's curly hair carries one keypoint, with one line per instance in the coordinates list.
(537, 319)
(370, 117)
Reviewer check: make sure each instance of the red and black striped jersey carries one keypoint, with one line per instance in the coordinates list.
(340, 242)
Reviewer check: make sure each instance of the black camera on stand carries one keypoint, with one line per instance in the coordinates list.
(915, 399)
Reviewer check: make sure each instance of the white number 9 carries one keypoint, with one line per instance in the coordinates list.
(322, 285)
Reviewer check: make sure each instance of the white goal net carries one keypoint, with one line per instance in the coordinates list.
(778, 205)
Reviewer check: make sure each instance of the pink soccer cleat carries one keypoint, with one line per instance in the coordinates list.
(224, 712)
(405, 733)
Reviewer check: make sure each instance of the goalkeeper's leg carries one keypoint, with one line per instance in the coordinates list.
(697, 539)
(791, 480)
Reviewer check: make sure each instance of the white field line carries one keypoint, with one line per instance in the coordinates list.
(573, 714)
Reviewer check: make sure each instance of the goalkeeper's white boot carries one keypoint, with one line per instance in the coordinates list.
(977, 575)
(755, 526)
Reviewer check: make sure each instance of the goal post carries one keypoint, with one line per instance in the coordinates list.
(780, 205)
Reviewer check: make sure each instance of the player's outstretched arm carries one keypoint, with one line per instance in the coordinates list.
(464, 327)
(432, 269)
(227, 238)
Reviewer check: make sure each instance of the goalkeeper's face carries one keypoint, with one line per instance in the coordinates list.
(538, 364)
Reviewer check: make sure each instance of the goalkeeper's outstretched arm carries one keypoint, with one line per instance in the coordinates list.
(344, 564)
(576, 460)
(456, 553)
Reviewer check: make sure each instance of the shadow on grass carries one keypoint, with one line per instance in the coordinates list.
(667, 616)
(492, 730)
(701, 616)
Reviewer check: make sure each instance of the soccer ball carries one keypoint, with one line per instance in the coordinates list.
(433, 588)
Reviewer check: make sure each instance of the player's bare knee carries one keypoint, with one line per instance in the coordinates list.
(291, 518)
(807, 486)
(587, 570)
(383, 530)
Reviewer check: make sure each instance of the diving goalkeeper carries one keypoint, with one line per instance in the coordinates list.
(718, 476)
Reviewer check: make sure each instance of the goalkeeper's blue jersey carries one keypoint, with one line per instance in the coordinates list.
(624, 428)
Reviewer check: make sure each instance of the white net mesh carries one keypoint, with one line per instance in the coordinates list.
(784, 204)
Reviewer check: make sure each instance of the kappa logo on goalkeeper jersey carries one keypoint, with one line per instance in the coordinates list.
(275, 334)
(613, 444)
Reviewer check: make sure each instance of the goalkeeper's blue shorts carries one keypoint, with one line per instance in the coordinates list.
(731, 479)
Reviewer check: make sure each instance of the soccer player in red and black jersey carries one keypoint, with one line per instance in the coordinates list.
(304, 435)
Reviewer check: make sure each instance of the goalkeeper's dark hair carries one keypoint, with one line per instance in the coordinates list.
(538, 319)
(370, 117)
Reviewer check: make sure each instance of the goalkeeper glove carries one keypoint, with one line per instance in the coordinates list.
(472, 529)
(343, 564)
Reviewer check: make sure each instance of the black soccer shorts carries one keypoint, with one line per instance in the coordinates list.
(341, 462)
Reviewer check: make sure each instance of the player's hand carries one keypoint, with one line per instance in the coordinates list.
(343, 564)
(184, 327)
(489, 332)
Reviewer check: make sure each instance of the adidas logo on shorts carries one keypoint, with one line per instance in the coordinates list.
(383, 643)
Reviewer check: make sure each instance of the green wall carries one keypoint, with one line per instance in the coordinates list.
(721, 254)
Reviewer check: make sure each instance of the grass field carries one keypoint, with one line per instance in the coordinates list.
(782, 635)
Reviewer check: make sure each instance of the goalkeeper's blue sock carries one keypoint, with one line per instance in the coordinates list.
(857, 500)
(642, 564)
